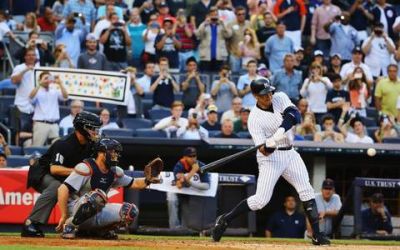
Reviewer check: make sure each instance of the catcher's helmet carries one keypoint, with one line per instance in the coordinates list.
(85, 121)
(261, 86)
(113, 150)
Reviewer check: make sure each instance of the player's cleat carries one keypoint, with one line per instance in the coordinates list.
(109, 235)
(219, 228)
(69, 232)
(31, 230)
(320, 239)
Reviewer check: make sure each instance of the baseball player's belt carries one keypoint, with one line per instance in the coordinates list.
(285, 148)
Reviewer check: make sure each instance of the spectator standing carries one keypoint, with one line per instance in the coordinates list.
(115, 40)
(47, 111)
(288, 79)
(249, 48)
(145, 81)
(172, 123)
(47, 22)
(356, 61)
(336, 98)
(328, 205)
(185, 32)
(193, 131)
(322, 15)
(200, 11)
(257, 17)
(58, 9)
(387, 92)
(149, 38)
(62, 59)
(241, 124)
(287, 222)
(378, 49)
(328, 133)
(4, 28)
(134, 106)
(212, 34)
(238, 27)
(104, 23)
(91, 58)
(225, 11)
(82, 8)
(315, 88)
(358, 90)
(277, 46)
(343, 36)
(265, 32)
(42, 50)
(293, 15)
(358, 135)
(102, 10)
(223, 90)
(212, 124)
(163, 86)
(243, 85)
(163, 13)
(376, 219)
(136, 29)
(386, 14)
(226, 130)
(167, 44)
(106, 122)
(233, 113)
(146, 8)
(386, 129)
(192, 85)
(66, 123)
(360, 17)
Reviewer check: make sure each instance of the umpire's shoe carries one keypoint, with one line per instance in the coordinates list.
(69, 232)
(31, 229)
(219, 228)
(320, 239)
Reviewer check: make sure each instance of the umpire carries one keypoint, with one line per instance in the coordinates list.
(54, 167)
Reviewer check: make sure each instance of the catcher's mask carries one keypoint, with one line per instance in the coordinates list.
(113, 150)
(88, 124)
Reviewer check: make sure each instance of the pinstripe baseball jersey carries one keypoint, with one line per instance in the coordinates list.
(263, 124)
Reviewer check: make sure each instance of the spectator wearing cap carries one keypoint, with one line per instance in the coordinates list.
(293, 15)
(318, 58)
(66, 123)
(336, 97)
(3, 160)
(355, 122)
(85, 9)
(146, 80)
(71, 36)
(91, 58)
(386, 128)
(172, 123)
(361, 15)
(286, 222)
(136, 29)
(322, 15)
(47, 22)
(212, 124)
(376, 219)
(223, 90)
(226, 130)
(300, 62)
(335, 65)
(163, 13)
(102, 10)
(385, 14)
(241, 124)
(243, 84)
(343, 36)
(184, 171)
(163, 86)
(200, 11)
(288, 79)
(387, 92)
(185, 31)
(212, 34)
(116, 39)
(276, 47)
(263, 71)
(168, 44)
(328, 205)
(356, 61)
(192, 85)
(328, 133)
(238, 27)
(193, 131)
(378, 48)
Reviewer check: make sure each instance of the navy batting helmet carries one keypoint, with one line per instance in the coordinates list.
(261, 86)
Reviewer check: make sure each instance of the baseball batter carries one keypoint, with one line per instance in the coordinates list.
(270, 124)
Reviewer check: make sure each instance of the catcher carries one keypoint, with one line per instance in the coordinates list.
(82, 197)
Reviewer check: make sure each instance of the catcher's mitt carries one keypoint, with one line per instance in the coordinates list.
(152, 171)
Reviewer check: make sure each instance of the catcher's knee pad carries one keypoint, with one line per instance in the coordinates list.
(94, 201)
(128, 212)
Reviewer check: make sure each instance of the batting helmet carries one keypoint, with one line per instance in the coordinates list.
(261, 86)
(112, 148)
(85, 121)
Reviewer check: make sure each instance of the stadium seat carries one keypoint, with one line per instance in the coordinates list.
(121, 132)
(369, 122)
(178, 96)
(156, 114)
(395, 140)
(64, 111)
(244, 134)
(309, 137)
(31, 150)
(15, 150)
(371, 131)
(372, 112)
(213, 133)
(17, 161)
(135, 123)
(5, 102)
(145, 132)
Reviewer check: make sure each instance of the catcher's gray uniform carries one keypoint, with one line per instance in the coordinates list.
(88, 179)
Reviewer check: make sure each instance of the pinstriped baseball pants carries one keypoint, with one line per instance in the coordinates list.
(287, 164)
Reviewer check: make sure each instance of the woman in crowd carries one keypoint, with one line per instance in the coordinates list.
(106, 122)
(249, 47)
(358, 91)
(308, 126)
(30, 23)
(62, 59)
(149, 38)
(386, 129)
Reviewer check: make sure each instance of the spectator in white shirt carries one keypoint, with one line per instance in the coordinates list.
(378, 49)
(172, 123)
(145, 80)
(67, 122)
(47, 112)
(233, 114)
(314, 89)
(106, 123)
(193, 131)
(358, 135)
(4, 29)
(356, 61)
(243, 85)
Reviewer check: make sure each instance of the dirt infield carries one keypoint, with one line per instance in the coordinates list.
(155, 242)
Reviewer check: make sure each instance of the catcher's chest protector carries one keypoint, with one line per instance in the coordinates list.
(99, 179)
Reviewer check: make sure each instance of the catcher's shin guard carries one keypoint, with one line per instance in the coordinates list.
(128, 212)
(94, 201)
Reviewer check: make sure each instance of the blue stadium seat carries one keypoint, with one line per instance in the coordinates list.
(178, 96)
(31, 150)
(135, 123)
(122, 132)
(369, 122)
(145, 132)
(371, 131)
(147, 104)
(15, 150)
(213, 133)
(309, 137)
(395, 140)
(5, 102)
(17, 161)
(372, 112)
(148, 96)
(156, 114)
(244, 134)
(64, 111)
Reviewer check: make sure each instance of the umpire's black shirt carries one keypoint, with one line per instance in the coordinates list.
(66, 152)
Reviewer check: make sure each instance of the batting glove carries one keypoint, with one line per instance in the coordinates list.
(270, 143)
(279, 135)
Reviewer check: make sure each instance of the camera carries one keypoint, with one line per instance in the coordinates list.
(357, 75)
(118, 24)
(38, 41)
(378, 32)
(77, 14)
(194, 115)
(214, 19)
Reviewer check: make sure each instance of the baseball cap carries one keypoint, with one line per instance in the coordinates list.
(336, 55)
(318, 53)
(163, 4)
(167, 19)
(357, 49)
(190, 151)
(91, 37)
(328, 184)
(297, 49)
(212, 108)
(262, 67)
(377, 198)
(245, 109)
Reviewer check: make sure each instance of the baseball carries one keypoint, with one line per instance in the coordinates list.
(371, 152)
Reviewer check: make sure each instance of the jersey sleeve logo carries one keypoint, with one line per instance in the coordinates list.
(59, 158)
